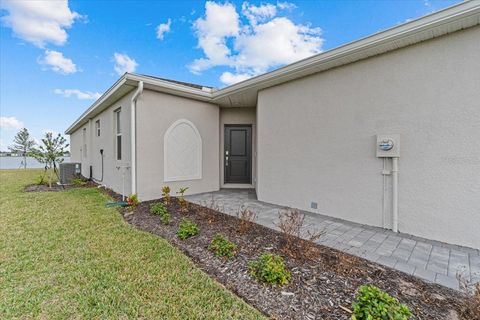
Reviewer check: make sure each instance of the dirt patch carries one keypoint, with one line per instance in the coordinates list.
(56, 187)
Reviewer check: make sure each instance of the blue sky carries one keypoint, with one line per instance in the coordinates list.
(56, 57)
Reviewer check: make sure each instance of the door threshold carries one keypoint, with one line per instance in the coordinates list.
(238, 186)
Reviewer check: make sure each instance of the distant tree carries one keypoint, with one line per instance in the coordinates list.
(23, 144)
(51, 153)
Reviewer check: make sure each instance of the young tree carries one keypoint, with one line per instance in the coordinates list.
(23, 144)
(51, 153)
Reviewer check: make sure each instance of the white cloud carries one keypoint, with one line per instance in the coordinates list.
(10, 124)
(286, 5)
(276, 42)
(82, 95)
(163, 28)
(39, 22)
(220, 21)
(123, 63)
(252, 45)
(229, 78)
(58, 62)
(256, 14)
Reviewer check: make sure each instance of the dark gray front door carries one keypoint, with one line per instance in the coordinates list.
(238, 154)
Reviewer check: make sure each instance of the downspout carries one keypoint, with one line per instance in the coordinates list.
(90, 149)
(133, 133)
(395, 194)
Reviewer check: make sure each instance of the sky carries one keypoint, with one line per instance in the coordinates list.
(58, 56)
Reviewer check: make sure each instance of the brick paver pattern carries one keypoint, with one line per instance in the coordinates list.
(430, 260)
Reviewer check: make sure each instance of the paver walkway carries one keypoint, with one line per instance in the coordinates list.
(430, 260)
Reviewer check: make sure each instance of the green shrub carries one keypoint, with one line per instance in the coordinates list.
(160, 210)
(371, 303)
(222, 247)
(132, 200)
(79, 182)
(187, 229)
(270, 268)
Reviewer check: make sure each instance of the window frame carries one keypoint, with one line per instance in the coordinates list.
(118, 133)
(84, 140)
(97, 128)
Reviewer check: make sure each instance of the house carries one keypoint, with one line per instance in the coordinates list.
(312, 135)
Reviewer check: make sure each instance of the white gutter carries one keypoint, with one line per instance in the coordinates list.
(133, 133)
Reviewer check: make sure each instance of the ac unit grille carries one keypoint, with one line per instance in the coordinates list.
(69, 171)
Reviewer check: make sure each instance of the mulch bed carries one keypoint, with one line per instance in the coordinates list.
(56, 187)
(323, 280)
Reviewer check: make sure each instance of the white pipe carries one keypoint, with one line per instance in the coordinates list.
(395, 194)
(384, 198)
(133, 123)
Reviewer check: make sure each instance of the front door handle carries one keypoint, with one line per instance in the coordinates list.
(226, 161)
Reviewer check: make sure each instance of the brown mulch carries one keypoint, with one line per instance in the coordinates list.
(56, 187)
(324, 280)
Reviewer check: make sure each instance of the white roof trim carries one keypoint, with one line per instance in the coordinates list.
(424, 28)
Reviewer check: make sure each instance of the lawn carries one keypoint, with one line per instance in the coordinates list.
(64, 255)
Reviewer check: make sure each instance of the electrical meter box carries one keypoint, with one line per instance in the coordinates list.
(388, 146)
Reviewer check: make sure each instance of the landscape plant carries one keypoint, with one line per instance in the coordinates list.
(222, 247)
(79, 182)
(247, 217)
(166, 194)
(160, 210)
(270, 268)
(50, 153)
(471, 310)
(23, 144)
(187, 229)
(181, 199)
(132, 200)
(292, 224)
(372, 303)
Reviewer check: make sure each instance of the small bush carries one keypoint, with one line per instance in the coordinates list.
(187, 229)
(181, 199)
(132, 200)
(373, 303)
(270, 268)
(166, 194)
(246, 217)
(222, 247)
(160, 210)
(79, 182)
(292, 224)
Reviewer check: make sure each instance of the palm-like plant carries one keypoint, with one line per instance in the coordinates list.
(51, 153)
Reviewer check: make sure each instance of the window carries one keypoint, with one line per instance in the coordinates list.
(97, 127)
(118, 134)
(84, 138)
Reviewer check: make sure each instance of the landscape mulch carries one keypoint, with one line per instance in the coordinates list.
(324, 280)
(56, 187)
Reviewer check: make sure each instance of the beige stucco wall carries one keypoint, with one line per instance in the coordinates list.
(316, 139)
(112, 176)
(237, 116)
(156, 112)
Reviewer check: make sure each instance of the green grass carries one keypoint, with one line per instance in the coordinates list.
(64, 255)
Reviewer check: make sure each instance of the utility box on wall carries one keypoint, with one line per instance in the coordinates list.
(388, 146)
